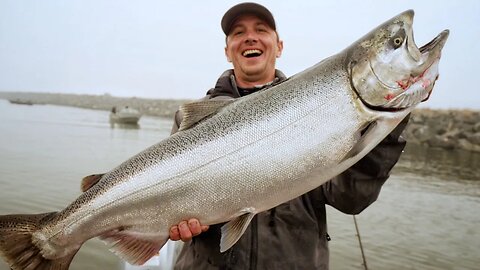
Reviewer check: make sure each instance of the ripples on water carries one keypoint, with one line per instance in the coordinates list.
(425, 217)
(45, 151)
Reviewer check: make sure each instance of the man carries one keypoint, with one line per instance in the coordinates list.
(294, 234)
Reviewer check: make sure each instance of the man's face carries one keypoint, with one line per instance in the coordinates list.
(252, 47)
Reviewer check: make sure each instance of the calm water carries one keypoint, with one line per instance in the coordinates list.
(425, 218)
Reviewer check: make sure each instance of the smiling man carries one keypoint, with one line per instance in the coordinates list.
(294, 234)
(252, 47)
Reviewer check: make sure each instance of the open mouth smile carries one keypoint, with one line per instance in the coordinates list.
(252, 53)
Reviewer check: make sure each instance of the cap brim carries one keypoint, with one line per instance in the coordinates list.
(246, 8)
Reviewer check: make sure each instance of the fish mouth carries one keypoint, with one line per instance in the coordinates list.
(418, 79)
(437, 41)
(418, 86)
(388, 72)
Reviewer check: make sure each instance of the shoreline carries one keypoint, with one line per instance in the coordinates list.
(152, 107)
(441, 128)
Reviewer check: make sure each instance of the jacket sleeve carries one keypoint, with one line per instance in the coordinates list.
(356, 188)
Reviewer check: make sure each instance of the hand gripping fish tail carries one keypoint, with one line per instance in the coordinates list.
(331, 115)
(17, 245)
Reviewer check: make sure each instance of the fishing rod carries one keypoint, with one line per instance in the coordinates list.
(360, 243)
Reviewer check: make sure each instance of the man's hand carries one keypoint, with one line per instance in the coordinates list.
(185, 230)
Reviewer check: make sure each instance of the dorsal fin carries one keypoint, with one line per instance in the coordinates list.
(90, 181)
(195, 112)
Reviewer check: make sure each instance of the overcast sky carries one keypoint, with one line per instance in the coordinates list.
(175, 49)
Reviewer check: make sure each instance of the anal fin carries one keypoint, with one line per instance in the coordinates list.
(234, 229)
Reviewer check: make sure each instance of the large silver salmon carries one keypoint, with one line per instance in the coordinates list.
(233, 159)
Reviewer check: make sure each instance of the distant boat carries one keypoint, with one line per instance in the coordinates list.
(21, 102)
(125, 115)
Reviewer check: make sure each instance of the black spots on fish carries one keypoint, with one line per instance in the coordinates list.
(18, 247)
(23, 222)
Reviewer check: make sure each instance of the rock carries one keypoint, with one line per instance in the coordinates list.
(476, 127)
(466, 145)
(422, 133)
(474, 138)
(441, 142)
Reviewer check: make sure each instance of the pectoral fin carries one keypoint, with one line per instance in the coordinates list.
(372, 134)
(366, 135)
(234, 229)
(197, 111)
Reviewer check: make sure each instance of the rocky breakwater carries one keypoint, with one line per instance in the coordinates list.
(154, 107)
(448, 129)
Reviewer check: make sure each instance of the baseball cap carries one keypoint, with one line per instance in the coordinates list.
(246, 8)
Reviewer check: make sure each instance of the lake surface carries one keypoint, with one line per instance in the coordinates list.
(425, 218)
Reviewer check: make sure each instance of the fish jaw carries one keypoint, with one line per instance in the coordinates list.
(388, 71)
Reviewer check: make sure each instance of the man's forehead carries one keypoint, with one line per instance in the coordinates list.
(248, 18)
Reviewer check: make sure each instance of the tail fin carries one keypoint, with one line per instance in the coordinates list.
(16, 245)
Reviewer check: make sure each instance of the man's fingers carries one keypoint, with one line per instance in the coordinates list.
(174, 233)
(186, 230)
(185, 233)
(194, 226)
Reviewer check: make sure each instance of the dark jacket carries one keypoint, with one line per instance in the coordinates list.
(293, 235)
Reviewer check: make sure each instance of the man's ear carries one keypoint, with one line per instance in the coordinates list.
(226, 54)
(279, 48)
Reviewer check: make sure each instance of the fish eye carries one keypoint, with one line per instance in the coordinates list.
(397, 42)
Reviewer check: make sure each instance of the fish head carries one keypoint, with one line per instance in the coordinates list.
(388, 71)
